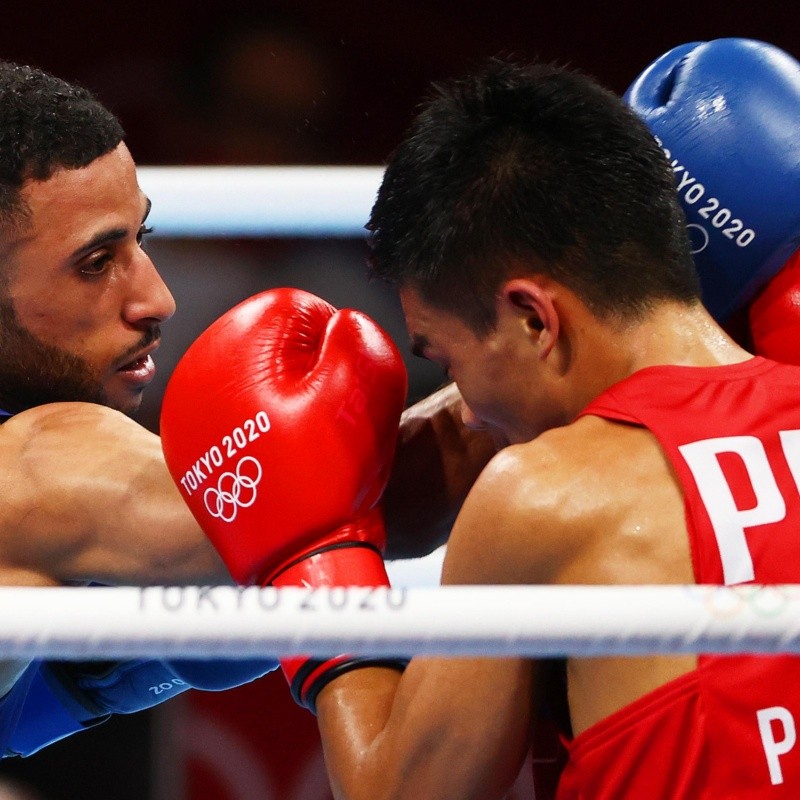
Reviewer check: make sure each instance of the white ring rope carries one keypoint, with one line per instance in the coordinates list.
(231, 622)
(260, 201)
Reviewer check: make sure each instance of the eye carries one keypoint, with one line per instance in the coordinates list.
(96, 264)
(143, 231)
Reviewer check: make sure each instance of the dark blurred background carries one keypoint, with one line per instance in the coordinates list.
(300, 82)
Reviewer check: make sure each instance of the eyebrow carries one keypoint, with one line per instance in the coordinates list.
(108, 236)
(419, 344)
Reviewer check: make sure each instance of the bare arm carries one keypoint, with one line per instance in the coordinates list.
(456, 728)
(87, 496)
(438, 459)
(445, 728)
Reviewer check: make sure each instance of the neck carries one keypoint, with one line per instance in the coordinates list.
(681, 335)
(671, 334)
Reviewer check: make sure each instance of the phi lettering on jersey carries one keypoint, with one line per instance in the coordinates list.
(778, 736)
(728, 520)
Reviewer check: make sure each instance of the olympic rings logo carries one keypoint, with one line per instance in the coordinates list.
(698, 236)
(234, 490)
(728, 602)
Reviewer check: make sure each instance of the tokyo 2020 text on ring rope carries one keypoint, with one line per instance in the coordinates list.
(532, 621)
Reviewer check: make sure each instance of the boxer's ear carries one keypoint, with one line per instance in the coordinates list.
(532, 304)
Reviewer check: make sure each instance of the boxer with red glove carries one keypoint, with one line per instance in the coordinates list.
(279, 427)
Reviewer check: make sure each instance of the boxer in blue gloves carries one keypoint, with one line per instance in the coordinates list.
(86, 496)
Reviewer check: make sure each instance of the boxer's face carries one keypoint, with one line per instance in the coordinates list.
(82, 302)
(496, 374)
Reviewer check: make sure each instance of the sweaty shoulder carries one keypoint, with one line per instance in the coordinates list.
(87, 496)
(53, 438)
(44, 418)
(49, 470)
(591, 502)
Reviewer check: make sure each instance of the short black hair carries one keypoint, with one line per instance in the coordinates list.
(521, 168)
(46, 124)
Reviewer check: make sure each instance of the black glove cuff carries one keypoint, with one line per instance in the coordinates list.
(307, 695)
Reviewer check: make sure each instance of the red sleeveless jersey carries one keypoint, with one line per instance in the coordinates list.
(729, 728)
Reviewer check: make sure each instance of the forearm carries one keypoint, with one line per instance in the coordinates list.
(437, 461)
(455, 728)
(352, 713)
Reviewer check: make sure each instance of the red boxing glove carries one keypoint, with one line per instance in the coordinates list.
(775, 315)
(279, 427)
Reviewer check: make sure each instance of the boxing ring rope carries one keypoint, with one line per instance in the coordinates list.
(532, 621)
(260, 201)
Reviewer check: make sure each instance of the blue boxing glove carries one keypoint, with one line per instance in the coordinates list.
(727, 113)
(32, 716)
(92, 690)
(55, 699)
(216, 675)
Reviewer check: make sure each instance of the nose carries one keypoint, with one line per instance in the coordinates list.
(149, 300)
